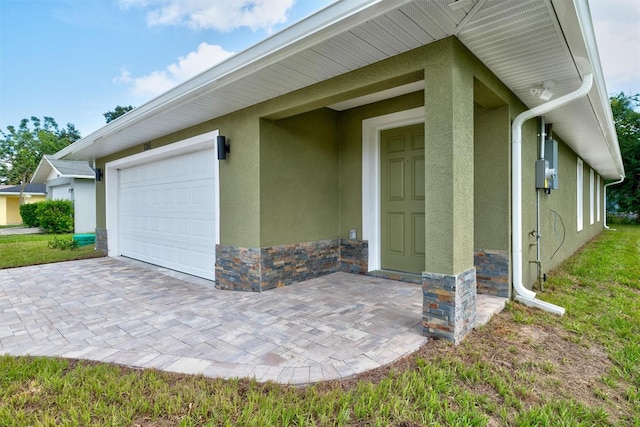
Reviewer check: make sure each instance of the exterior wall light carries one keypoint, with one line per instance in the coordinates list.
(544, 91)
(98, 174)
(223, 147)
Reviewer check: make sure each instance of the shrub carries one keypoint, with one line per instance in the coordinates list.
(623, 218)
(56, 216)
(64, 244)
(29, 214)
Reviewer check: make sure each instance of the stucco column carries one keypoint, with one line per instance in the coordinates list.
(449, 284)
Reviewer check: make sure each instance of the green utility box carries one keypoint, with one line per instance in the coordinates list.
(84, 239)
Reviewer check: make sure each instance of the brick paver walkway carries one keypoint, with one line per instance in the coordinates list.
(122, 311)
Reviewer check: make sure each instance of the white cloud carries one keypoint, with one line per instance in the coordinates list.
(217, 15)
(158, 82)
(617, 27)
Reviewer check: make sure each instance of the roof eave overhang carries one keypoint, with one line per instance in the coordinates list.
(312, 30)
(575, 19)
(42, 171)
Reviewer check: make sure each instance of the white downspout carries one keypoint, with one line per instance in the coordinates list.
(606, 227)
(523, 294)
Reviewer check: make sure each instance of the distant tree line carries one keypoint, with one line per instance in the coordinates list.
(626, 115)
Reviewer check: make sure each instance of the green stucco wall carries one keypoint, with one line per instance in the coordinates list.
(560, 237)
(448, 161)
(491, 172)
(299, 168)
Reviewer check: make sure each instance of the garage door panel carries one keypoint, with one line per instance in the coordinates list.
(167, 213)
(61, 192)
(173, 174)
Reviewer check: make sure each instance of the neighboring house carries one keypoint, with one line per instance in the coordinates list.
(374, 137)
(10, 201)
(70, 180)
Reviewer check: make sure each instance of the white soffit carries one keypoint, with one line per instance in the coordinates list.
(524, 42)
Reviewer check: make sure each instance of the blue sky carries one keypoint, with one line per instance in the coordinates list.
(74, 60)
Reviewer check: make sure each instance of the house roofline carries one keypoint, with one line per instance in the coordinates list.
(316, 27)
(40, 176)
(581, 13)
(574, 23)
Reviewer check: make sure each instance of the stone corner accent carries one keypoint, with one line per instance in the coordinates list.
(101, 240)
(354, 256)
(449, 305)
(237, 268)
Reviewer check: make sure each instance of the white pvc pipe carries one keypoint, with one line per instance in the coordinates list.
(543, 137)
(605, 199)
(516, 189)
(543, 305)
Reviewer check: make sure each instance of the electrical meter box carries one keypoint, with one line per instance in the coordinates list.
(542, 173)
(551, 155)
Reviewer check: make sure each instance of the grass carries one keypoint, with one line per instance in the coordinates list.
(20, 250)
(525, 368)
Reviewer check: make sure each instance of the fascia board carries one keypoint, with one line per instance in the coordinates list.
(316, 28)
(603, 110)
(577, 26)
(42, 171)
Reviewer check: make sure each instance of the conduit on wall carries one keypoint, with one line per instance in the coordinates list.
(523, 294)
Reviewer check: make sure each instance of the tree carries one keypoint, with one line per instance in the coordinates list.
(21, 149)
(626, 115)
(117, 112)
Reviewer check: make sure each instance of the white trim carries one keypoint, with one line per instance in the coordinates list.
(371, 174)
(579, 195)
(112, 184)
(598, 198)
(591, 196)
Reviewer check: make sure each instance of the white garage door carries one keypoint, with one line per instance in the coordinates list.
(167, 212)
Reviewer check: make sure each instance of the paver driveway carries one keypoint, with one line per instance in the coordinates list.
(122, 311)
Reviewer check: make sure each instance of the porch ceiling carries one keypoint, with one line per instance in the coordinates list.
(524, 42)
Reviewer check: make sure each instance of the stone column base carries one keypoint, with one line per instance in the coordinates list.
(449, 305)
(101, 240)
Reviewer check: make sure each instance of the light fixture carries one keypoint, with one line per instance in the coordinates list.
(543, 91)
(223, 148)
(98, 174)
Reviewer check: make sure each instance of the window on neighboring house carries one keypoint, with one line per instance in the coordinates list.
(579, 194)
(598, 208)
(592, 198)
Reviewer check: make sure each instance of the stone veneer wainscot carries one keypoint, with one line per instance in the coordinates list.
(492, 272)
(261, 269)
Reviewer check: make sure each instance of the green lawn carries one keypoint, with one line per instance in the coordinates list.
(20, 250)
(526, 368)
